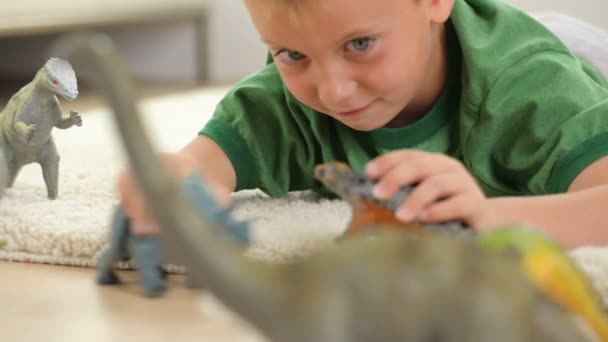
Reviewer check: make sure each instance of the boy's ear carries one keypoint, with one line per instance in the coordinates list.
(440, 10)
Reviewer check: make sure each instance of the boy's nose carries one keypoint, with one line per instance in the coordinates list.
(335, 91)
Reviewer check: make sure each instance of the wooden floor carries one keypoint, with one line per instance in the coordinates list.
(64, 304)
(56, 303)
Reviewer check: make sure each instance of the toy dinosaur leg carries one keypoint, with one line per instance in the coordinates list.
(147, 252)
(12, 176)
(50, 171)
(116, 251)
(13, 168)
(3, 175)
(105, 274)
(4, 169)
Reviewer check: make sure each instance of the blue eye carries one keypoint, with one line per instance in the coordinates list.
(294, 55)
(360, 44)
(289, 57)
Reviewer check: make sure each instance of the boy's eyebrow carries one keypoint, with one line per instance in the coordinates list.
(269, 42)
(356, 33)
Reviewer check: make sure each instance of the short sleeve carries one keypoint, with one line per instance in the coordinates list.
(544, 119)
(265, 133)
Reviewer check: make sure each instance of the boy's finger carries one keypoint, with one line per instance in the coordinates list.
(437, 188)
(381, 164)
(414, 158)
(144, 226)
(129, 196)
(459, 207)
(416, 170)
(397, 177)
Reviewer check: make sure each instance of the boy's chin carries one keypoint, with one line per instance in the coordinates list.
(363, 126)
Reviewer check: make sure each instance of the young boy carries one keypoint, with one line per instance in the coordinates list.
(480, 104)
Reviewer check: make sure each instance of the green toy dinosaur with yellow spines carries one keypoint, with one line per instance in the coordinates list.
(552, 270)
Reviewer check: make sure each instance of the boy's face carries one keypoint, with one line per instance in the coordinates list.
(362, 62)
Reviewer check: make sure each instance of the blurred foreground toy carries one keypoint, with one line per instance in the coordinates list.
(28, 119)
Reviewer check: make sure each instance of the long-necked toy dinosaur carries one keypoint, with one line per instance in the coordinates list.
(392, 287)
(28, 119)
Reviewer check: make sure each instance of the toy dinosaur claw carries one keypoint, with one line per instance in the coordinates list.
(76, 118)
(163, 273)
(107, 278)
(153, 281)
(29, 133)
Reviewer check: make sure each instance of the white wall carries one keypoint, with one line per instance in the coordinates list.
(236, 48)
(593, 11)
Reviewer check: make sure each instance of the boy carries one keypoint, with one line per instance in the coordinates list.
(481, 105)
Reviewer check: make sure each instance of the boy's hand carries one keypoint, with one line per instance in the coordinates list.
(178, 164)
(445, 190)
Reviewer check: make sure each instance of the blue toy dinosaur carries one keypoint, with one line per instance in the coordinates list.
(147, 250)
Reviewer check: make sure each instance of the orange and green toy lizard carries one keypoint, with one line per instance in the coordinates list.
(368, 212)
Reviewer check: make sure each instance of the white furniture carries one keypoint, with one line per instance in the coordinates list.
(37, 17)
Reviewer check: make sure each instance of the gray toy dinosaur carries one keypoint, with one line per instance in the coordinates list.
(28, 119)
(393, 286)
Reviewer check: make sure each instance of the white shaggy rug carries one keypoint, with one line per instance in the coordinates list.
(73, 229)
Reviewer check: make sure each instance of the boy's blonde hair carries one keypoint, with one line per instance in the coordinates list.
(293, 5)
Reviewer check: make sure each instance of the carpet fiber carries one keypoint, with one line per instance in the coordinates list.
(73, 229)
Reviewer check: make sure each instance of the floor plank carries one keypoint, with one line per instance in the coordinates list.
(57, 303)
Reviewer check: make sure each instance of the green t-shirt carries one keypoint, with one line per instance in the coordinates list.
(521, 112)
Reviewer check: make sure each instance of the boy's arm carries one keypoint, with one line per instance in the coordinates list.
(202, 155)
(575, 218)
(214, 165)
(594, 174)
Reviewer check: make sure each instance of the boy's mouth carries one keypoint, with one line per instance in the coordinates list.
(356, 111)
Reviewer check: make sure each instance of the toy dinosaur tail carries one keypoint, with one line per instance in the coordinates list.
(253, 289)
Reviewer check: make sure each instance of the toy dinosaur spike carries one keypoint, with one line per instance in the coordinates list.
(27, 120)
(368, 211)
(394, 287)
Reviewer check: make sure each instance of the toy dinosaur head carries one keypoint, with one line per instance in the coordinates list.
(61, 78)
(338, 177)
(353, 187)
